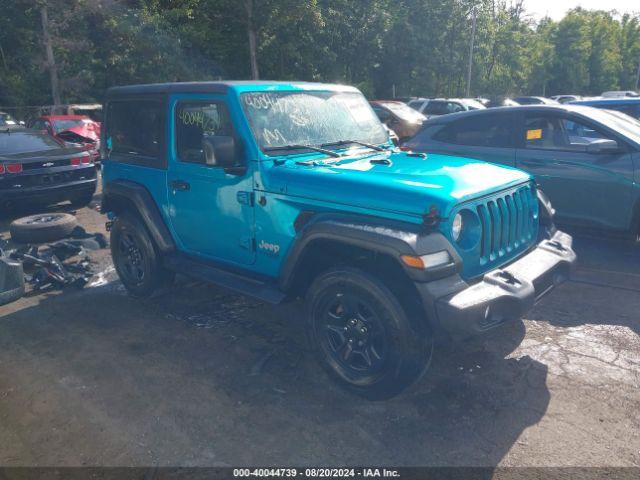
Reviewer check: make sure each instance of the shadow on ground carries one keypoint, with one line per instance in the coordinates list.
(608, 270)
(200, 376)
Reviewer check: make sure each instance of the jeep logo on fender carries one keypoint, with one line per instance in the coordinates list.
(270, 248)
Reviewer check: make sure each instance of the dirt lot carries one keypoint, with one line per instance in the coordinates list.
(201, 376)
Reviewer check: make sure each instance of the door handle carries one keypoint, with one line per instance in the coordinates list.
(179, 185)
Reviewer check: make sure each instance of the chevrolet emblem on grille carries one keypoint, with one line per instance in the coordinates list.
(48, 164)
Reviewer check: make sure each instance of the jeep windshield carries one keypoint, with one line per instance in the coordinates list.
(301, 118)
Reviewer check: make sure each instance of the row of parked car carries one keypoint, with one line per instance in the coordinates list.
(583, 152)
(51, 160)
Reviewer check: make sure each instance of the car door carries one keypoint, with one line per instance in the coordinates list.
(210, 206)
(484, 136)
(585, 187)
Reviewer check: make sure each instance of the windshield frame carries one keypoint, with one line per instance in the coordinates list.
(268, 152)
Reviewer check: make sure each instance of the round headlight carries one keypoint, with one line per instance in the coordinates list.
(456, 227)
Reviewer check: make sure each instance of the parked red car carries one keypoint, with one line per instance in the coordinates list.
(72, 129)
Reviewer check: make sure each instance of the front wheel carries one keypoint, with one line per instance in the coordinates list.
(135, 257)
(362, 335)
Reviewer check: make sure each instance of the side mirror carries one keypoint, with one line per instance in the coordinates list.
(219, 150)
(603, 146)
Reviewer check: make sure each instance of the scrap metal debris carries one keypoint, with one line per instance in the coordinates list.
(60, 264)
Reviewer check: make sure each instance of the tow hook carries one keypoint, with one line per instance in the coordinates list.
(557, 245)
(508, 278)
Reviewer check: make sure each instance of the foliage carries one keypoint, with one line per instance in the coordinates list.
(406, 47)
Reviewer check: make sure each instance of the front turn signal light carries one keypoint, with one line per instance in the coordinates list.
(430, 260)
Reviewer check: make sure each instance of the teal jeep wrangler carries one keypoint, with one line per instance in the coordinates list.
(286, 190)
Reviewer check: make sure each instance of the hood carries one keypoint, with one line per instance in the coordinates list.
(92, 133)
(395, 181)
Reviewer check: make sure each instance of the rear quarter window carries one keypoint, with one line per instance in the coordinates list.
(135, 132)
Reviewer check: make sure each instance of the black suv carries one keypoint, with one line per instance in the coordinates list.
(35, 167)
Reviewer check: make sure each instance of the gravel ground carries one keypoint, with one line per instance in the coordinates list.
(199, 376)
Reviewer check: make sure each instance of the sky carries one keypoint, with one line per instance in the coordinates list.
(557, 8)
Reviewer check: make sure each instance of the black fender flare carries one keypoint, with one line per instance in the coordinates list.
(121, 195)
(377, 235)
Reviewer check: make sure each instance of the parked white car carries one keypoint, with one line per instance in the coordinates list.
(620, 93)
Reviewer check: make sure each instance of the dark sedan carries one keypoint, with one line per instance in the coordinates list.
(37, 168)
(586, 160)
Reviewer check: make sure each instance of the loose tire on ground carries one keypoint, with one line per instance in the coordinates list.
(43, 227)
(135, 257)
(349, 304)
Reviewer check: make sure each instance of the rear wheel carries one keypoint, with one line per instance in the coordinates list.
(135, 258)
(362, 335)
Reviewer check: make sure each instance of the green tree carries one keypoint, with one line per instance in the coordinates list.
(572, 48)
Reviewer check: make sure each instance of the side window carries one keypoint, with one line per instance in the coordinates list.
(554, 133)
(478, 130)
(455, 107)
(436, 108)
(195, 121)
(135, 132)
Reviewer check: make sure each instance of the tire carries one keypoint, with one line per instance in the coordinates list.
(340, 303)
(11, 280)
(135, 257)
(43, 227)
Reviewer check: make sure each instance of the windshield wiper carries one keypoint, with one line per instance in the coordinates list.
(357, 142)
(301, 147)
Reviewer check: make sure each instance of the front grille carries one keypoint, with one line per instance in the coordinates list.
(508, 223)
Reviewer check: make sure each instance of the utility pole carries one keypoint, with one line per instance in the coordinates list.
(51, 61)
(473, 39)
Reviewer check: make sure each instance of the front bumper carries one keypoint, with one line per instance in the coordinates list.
(504, 294)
